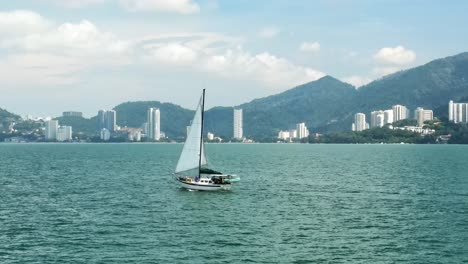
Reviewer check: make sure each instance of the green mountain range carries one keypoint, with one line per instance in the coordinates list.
(6, 117)
(325, 105)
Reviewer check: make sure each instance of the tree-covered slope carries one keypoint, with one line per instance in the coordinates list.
(7, 117)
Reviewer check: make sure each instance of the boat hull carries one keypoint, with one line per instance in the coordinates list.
(204, 186)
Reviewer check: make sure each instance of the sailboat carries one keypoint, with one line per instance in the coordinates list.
(192, 170)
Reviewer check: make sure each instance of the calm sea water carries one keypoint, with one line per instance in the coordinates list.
(116, 203)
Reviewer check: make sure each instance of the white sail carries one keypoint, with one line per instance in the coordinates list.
(189, 158)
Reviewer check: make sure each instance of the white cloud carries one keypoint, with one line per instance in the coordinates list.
(174, 53)
(75, 3)
(263, 67)
(20, 22)
(167, 6)
(269, 32)
(59, 54)
(69, 38)
(310, 46)
(397, 55)
(357, 81)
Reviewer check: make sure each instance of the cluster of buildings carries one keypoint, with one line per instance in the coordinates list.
(300, 132)
(381, 118)
(54, 132)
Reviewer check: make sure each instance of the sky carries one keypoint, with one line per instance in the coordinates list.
(86, 55)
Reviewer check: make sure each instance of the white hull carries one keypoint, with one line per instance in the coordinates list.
(202, 186)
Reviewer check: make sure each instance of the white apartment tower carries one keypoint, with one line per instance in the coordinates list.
(377, 119)
(400, 112)
(360, 122)
(154, 124)
(64, 133)
(388, 116)
(51, 128)
(422, 115)
(458, 112)
(302, 131)
(237, 124)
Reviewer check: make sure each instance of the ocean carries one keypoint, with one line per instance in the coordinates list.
(296, 203)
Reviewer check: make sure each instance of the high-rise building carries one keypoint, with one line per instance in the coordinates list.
(377, 118)
(400, 112)
(458, 112)
(64, 133)
(111, 120)
(107, 120)
(51, 128)
(101, 119)
(422, 115)
(388, 116)
(154, 124)
(302, 131)
(237, 124)
(360, 122)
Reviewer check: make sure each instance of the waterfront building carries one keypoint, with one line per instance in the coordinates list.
(210, 136)
(422, 115)
(154, 124)
(400, 112)
(458, 112)
(377, 118)
(292, 133)
(237, 124)
(105, 134)
(284, 135)
(72, 114)
(64, 133)
(302, 131)
(51, 128)
(360, 122)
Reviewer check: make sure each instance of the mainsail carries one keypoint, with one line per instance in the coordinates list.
(190, 156)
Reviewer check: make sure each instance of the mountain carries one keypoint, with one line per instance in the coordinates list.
(429, 86)
(316, 103)
(7, 117)
(325, 105)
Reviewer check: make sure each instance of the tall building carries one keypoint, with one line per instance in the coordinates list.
(302, 131)
(458, 112)
(377, 119)
(388, 116)
(360, 122)
(111, 120)
(51, 128)
(107, 120)
(400, 112)
(64, 133)
(101, 119)
(154, 124)
(422, 115)
(237, 124)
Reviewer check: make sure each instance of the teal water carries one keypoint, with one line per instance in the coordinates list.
(116, 203)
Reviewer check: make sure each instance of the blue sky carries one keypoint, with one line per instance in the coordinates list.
(86, 55)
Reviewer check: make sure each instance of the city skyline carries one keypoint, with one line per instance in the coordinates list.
(124, 51)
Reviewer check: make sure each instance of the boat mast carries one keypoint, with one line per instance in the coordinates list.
(201, 136)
